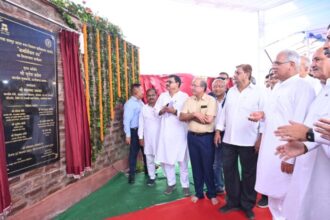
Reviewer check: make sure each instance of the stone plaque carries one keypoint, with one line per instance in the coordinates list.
(28, 90)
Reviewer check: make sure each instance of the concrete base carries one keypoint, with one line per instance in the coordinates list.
(61, 200)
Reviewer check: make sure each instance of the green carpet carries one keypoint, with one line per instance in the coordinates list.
(118, 197)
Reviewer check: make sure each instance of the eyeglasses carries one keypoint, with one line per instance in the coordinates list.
(278, 63)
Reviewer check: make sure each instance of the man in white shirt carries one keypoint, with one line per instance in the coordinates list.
(219, 89)
(289, 100)
(172, 144)
(148, 132)
(305, 65)
(239, 141)
(308, 196)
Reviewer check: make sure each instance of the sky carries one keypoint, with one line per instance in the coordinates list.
(178, 37)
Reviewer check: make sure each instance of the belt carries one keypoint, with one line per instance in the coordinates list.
(134, 129)
(200, 134)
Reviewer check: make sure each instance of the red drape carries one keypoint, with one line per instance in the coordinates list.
(158, 82)
(77, 136)
(5, 199)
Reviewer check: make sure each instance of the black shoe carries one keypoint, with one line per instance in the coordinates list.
(263, 202)
(249, 214)
(227, 208)
(131, 180)
(151, 182)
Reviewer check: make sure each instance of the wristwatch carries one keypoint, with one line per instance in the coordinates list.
(310, 135)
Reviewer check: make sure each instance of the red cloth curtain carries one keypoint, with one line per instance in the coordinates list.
(77, 136)
(159, 82)
(5, 199)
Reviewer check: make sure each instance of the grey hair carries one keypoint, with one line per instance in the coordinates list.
(292, 56)
(308, 61)
(218, 80)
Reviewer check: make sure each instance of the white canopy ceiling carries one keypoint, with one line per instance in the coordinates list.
(245, 5)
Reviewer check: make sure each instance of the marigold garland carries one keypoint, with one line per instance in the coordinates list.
(138, 65)
(118, 67)
(125, 70)
(112, 113)
(100, 81)
(132, 64)
(86, 71)
(103, 42)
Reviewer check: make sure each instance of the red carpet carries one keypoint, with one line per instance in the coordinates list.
(186, 210)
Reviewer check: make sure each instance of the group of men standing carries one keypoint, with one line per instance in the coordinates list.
(245, 124)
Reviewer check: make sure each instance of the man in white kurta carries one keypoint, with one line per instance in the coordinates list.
(309, 193)
(172, 145)
(289, 100)
(308, 196)
(148, 132)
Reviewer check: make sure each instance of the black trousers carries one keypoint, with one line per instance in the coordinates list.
(133, 153)
(240, 192)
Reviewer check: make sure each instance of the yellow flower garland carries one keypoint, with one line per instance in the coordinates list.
(118, 67)
(112, 113)
(86, 71)
(125, 68)
(100, 81)
(138, 65)
(133, 70)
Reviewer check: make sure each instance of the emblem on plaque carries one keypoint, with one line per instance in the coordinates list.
(4, 29)
(48, 43)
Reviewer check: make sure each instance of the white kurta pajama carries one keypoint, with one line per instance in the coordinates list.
(308, 196)
(289, 100)
(149, 124)
(172, 145)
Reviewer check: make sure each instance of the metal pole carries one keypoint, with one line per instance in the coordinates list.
(41, 16)
(268, 56)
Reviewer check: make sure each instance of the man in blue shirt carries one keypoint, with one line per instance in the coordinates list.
(132, 110)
